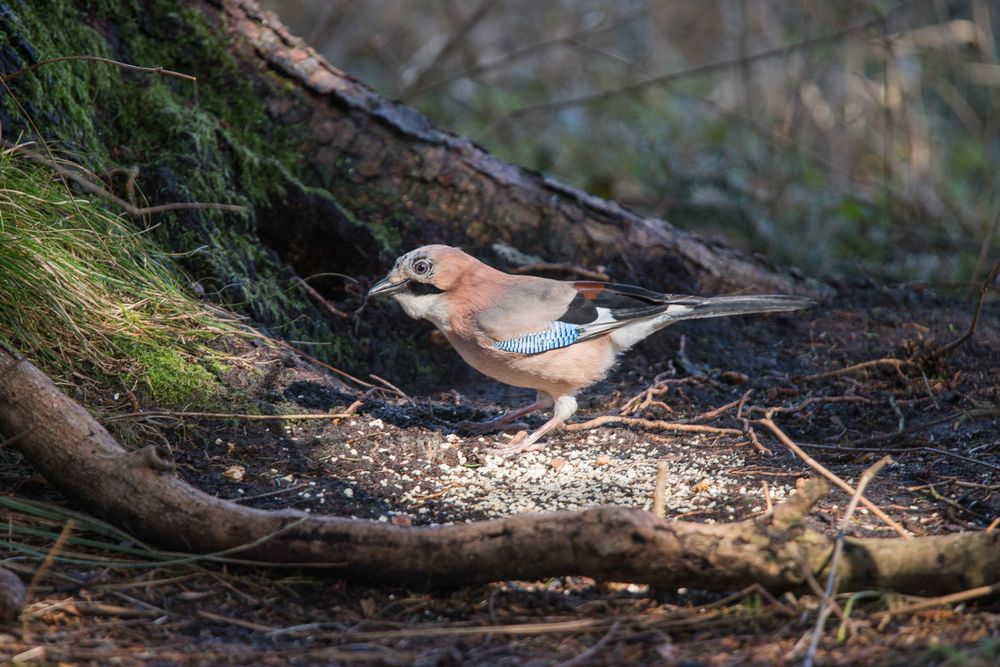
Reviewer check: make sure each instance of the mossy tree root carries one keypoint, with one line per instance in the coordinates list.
(137, 491)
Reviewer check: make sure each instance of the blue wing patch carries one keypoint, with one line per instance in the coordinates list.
(558, 334)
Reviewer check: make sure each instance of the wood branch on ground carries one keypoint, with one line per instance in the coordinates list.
(137, 490)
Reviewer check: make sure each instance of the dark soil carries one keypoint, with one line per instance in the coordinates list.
(402, 459)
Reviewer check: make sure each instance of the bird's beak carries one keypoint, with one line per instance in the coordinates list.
(385, 288)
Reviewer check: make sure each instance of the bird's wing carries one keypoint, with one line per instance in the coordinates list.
(599, 308)
(535, 316)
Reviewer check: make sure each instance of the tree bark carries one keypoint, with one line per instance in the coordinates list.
(137, 491)
(389, 163)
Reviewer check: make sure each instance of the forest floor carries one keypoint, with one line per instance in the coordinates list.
(401, 459)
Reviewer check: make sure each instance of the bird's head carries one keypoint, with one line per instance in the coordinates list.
(421, 279)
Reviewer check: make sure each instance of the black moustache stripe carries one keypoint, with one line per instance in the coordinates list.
(422, 289)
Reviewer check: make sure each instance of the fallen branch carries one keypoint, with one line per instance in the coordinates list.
(78, 456)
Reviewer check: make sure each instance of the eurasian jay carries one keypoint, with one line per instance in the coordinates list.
(549, 335)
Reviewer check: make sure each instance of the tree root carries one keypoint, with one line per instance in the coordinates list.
(78, 456)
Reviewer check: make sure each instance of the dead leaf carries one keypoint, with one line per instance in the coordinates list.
(368, 607)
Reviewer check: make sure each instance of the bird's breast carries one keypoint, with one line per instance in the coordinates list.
(557, 372)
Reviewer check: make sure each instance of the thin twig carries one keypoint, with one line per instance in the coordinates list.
(816, 465)
(43, 569)
(240, 623)
(651, 424)
(453, 41)
(321, 300)
(896, 363)
(350, 411)
(902, 450)
(816, 588)
(393, 388)
(518, 54)
(74, 174)
(754, 440)
(812, 400)
(719, 65)
(225, 415)
(97, 59)
(585, 657)
(659, 499)
(768, 506)
(961, 596)
(838, 550)
(975, 316)
(309, 357)
(269, 494)
(50, 558)
(712, 414)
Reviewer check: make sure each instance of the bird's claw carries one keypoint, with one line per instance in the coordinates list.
(518, 444)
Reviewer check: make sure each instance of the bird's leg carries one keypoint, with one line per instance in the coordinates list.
(541, 402)
(565, 407)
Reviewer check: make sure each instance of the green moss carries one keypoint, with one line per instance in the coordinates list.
(93, 302)
(210, 141)
(176, 382)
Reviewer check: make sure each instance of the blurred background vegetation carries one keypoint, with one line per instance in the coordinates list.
(846, 138)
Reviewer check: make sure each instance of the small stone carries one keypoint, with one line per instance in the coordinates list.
(603, 460)
(349, 492)
(558, 463)
(732, 377)
(535, 471)
(234, 473)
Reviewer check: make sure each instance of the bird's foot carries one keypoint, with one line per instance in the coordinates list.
(518, 444)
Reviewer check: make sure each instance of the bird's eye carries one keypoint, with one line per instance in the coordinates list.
(421, 267)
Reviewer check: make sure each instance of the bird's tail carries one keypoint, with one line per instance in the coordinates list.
(722, 306)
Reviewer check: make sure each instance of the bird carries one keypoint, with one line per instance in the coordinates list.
(556, 337)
